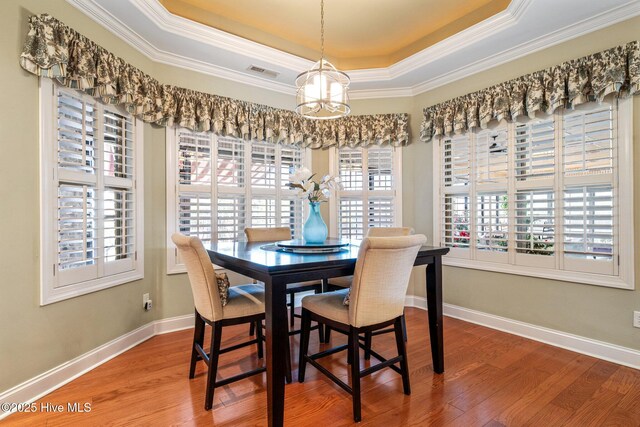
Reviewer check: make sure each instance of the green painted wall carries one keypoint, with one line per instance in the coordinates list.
(35, 339)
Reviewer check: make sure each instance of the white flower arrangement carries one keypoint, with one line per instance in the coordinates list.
(315, 192)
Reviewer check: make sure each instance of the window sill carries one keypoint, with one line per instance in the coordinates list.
(543, 273)
(52, 295)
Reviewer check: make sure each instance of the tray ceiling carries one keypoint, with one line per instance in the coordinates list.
(357, 35)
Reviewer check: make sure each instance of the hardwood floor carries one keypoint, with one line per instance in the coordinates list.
(491, 379)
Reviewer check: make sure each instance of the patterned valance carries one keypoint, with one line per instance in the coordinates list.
(54, 50)
(592, 78)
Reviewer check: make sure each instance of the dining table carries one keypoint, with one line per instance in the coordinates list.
(276, 268)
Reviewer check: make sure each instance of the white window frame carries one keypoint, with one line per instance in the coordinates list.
(172, 180)
(624, 274)
(51, 290)
(364, 194)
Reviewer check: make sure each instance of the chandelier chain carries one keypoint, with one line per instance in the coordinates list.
(321, 29)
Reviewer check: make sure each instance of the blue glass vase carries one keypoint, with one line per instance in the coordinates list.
(314, 230)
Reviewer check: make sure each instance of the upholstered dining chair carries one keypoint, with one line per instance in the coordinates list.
(275, 234)
(244, 304)
(345, 281)
(380, 282)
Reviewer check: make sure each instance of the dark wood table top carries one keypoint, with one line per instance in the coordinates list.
(266, 258)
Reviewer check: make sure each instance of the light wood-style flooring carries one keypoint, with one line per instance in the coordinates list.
(492, 379)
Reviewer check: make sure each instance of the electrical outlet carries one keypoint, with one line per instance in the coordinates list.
(148, 305)
(145, 300)
(636, 319)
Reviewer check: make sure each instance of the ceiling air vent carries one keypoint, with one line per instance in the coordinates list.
(263, 71)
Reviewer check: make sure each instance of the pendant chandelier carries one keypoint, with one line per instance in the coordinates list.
(322, 91)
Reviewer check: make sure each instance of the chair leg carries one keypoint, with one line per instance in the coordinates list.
(214, 352)
(198, 338)
(404, 328)
(304, 344)
(355, 373)
(260, 339)
(367, 345)
(320, 325)
(292, 300)
(402, 351)
(349, 350)
(252, 328)
(327, 334)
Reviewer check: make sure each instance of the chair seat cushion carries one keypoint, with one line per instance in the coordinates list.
(244, 300)
(328, 305)
(343, 282)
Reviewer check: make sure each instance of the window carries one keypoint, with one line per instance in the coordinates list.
(372, 190)
(217, 186)
(91, 179)
(549, 198)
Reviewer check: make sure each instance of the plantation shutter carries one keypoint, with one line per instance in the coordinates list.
(226, 184)
(77, 233)
(291, 206)
(491, 157)
(263, 166)
(535, 197)
(263, 212)
(589, 213)
(118, 195)
(230, 217)
(77, 180)
(291, 214)
(195, 214)
(455, 208)
(456, 221)
(96, 201)
(492, 222)
(194, 203)
(534, 151)
(351, 218)
(588, 142)
(368, 198)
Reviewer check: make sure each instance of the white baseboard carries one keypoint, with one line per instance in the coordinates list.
(602, 350)
(173, 324)
(46, 382)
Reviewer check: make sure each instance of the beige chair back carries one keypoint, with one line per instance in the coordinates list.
(381, 278)
(389, 231)
(267, 234)
(201, 275)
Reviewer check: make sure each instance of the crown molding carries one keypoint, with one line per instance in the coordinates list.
(576, 30)
(174, 24)
(371, 83)
(401, 92)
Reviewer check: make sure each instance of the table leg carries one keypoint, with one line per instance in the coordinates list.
(434, 306)
(276, 335)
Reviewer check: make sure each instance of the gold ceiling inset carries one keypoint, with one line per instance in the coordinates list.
(359, 33)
